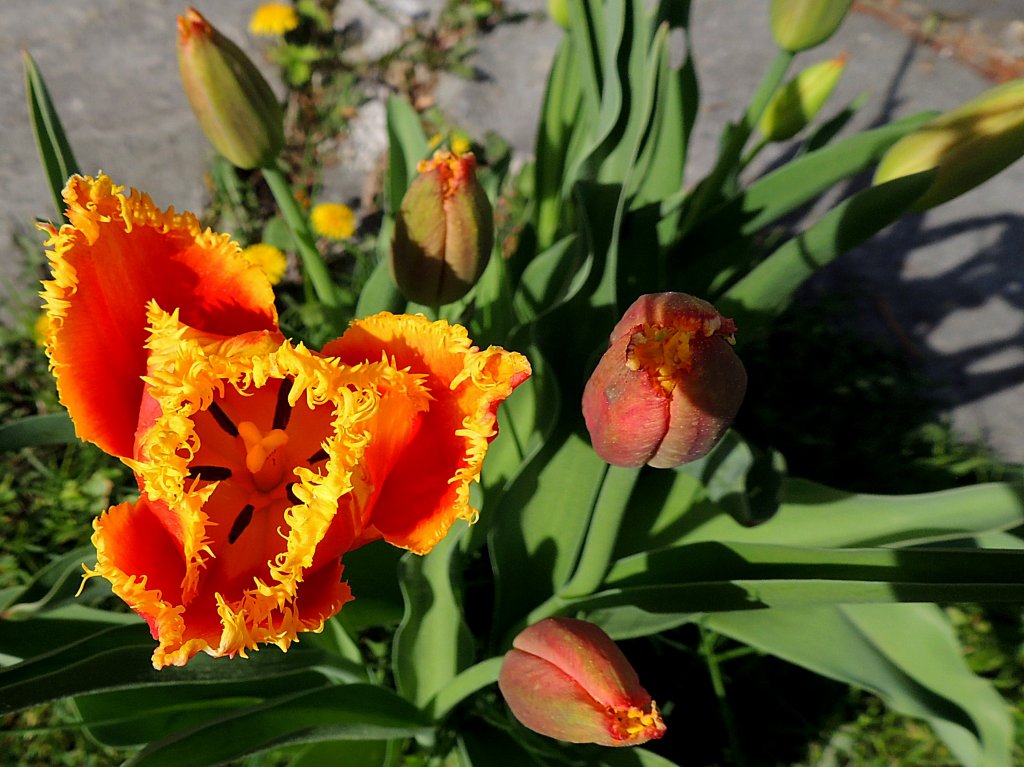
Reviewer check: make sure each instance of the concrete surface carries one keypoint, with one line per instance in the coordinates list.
(946, 286)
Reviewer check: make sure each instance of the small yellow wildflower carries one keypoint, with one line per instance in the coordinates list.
(333, 220)
(273, 20)
(40, 328)
(458, 142)
(268, 258)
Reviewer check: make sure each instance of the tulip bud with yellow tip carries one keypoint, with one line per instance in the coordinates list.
(798, 102)
(669, 385)
(232, 101)
(565, 678)
(966, 146)
(801, 24)
(444, 231)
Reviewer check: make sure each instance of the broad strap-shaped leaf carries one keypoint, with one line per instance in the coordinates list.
(542, 520)
(671, 508)
(56, 583)
(344, 712)
(94, 657)
(55, 153)
(713, 577)
(433, 643)
(768, 288)
(407, 145)
(799, 182)
(37, 430)
(907, 654)
(125, 718)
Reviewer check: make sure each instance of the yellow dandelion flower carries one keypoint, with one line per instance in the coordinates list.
(333, 220)
(460, 143)
(40, 330)
(268, 258)
(273, 20)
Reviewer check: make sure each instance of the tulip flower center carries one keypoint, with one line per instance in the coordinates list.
(634, 722)
(251, 443)
(663, 352)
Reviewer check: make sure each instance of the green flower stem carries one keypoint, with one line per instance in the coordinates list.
(707, 650)
(462, 686)
(312, 263)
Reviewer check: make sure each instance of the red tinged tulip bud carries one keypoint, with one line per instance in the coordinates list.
(669, 385)
(444, 231)
(566, 678)
(232, 101)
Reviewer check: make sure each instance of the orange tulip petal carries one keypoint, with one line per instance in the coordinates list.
(253, 451)
(118, 253)
(427, 488)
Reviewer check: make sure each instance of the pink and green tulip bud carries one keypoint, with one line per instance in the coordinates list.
(669, 385)
(566, 678)
(801, 24)
(798, 102)
(966, 146)
(233, 103)
(444, 231)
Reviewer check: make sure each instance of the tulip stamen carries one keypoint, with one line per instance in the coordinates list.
(241, 522)
(222, 419)
(209, 473)
(319, 455)
(283, 408)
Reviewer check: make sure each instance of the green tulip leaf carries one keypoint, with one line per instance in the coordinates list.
(37, 430)
(54, 149)
(345, 712)
(433, 643)
(907, 654)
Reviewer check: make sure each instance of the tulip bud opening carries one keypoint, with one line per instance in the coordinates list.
(444, 231)
(669, 385)
(565, 678)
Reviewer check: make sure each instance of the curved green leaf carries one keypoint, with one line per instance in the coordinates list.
(54, 150)
(541, 523)
(907, 654)
(36, 430)
(671, 508)
(767, 289)
(346, 712)
(407, 145)
(433, 643)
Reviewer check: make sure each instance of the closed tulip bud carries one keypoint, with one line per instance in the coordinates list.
(232, 101)
(966, 146)
(444, 231)
(801, 24)
(558, 11)
(565, 678)
(798, 102)
(669, 385)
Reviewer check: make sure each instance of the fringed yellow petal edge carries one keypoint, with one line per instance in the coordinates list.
(187, 370)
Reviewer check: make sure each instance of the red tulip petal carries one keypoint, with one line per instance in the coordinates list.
(118, 254)
(427, 488)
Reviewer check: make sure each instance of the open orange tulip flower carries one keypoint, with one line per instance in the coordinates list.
(260, 463)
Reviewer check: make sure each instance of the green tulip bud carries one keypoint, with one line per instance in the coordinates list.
(966, 146)
(232, 101)
(558, 11)
(801, 24)
(798, 102)
(444, 231)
